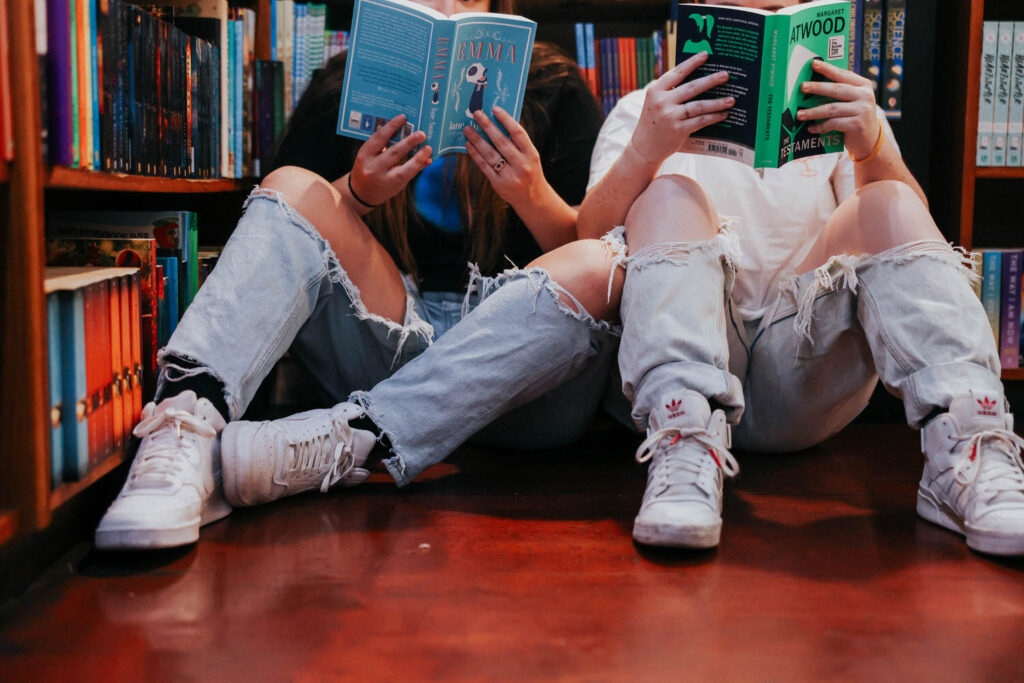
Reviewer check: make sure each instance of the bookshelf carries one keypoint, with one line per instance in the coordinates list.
(38, 522)
(976, 206)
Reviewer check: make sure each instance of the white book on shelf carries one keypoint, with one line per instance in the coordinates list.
(1015, 128)
(1001, 106)
(987, 92)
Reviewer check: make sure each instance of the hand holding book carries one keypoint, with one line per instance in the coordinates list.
(380, 172)
(671, 114)
(510, 162)
(853, 111)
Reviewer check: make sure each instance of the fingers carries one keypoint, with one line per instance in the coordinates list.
(494, 134)
(830, 110)
(520, 137)
(697, 122)
(401, 149)
(688, 91)
(839, 75)
(696, 108)
(410, 168)
(487, 152)
(379, 139)
(478, 158)
(678, 73)
(837, 91)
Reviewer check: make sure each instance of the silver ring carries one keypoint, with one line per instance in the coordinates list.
(500, 164)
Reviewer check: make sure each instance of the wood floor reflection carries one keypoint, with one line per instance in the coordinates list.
(503, 565)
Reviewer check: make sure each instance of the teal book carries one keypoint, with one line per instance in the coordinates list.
(74, 417)
(768, 56)
(405, 58)
(991, 288)
(53, 345)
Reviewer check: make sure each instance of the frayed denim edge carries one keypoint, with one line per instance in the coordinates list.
(413, 325)
(200, 369)
(396, 462)
(483, 286)
(727, 242)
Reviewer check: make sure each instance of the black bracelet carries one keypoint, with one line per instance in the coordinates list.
(357, 197)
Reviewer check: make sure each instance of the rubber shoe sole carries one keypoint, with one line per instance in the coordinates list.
(986, 541)
(675, 536)
(143, 537)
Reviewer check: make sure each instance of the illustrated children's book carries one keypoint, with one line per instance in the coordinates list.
(768, 56)
(405, 58)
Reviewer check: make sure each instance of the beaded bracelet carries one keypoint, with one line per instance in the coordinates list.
(357, 197)
(877, 148)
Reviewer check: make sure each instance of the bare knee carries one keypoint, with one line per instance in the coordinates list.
(308, 193)
(673, 208)
(584, 269)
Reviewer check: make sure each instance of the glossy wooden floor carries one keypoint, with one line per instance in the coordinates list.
(505, 566)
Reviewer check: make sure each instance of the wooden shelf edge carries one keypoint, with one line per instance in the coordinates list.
(999, 172)
(66, 492)
(60, 178)
(1012, 373)
(8, 525)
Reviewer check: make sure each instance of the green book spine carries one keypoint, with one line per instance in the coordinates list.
(193, 254)
(769, 111)
(75, 76)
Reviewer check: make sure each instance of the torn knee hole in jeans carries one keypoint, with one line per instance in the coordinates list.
(726, 243)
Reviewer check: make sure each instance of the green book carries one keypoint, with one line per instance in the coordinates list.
(768, 56)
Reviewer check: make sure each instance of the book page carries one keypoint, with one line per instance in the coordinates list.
(387, 69)
(490, 63)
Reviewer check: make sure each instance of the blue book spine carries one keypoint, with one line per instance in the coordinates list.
(588, 45)
(606, 76)
(992, 274)
(239, 97)
(53, 342)
(171, 267)
(1009, 327)
(273, 30)
(75, 422)
(581, 50)
(229, 55)
(856, 35)
(96, 75)
(616, 69)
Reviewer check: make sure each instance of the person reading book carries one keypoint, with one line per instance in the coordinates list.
(770, 303)
(358, 266)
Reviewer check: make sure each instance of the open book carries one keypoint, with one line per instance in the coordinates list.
(405, 58)
(768, 55)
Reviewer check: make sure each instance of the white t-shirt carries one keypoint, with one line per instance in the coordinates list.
(777, 217)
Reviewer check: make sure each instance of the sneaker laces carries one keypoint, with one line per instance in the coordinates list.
(1003, 474)
(308, 461)
(666, 469)
(159, 463)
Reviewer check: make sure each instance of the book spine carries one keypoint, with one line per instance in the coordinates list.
(54, 359)
(239, 99)
(1009, 325)
(74, 416)
(118, 433)
(1015, 129)
(987, 92)
(229, 58)
(127, 413)
(606, 75)
(97, 85)
(1001, 106)
(58, 76)
(856, 32)
(771, 100)
(892, 73)
(588, 43)
(978, 267)
(871, 59)
(992, 274)
(615, 49)
(84, 85)
(76, 80)
(135, 317)
(581, 51)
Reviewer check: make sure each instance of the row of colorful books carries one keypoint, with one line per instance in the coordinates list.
(300, 40)
(94, 334)
(1001, 95)
(1000, 291)
(877, 39)
(613, 67)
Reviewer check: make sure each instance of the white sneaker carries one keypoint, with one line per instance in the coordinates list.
(973, 479)
(688, 449)
(173, 485)
(264, 461)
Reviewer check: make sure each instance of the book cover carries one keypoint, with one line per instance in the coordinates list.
(871, 48)
(991, 290)
(768, 56)
(987, 92)
(59, 81)
(1009, 315)
(442, 70)
(53, 347)
(892, 68)
(1001, 106)
(1015, 129)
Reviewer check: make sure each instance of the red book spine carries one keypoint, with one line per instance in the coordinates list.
(127, 382)
(116, 385)
(135, 296)
(623, 53)
(105, 410)
(94, 370)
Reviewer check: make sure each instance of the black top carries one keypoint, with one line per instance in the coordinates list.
(564, 139)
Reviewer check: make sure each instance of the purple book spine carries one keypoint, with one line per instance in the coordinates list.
(1009, 332)
(58, 74)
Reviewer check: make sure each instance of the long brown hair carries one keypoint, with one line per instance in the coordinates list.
(484, 214)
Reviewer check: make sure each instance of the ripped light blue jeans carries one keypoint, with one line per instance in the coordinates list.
(510, 364)
(792, 379)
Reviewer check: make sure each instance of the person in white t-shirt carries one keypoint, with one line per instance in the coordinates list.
(767, 304)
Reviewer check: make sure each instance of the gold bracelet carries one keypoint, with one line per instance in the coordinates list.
(877, 148)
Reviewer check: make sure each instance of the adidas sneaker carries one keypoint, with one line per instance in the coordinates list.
(173, 485)
(264, 461)
(687, 446)
(973, 479)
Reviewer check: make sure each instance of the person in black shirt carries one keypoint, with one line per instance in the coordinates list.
(354, 258)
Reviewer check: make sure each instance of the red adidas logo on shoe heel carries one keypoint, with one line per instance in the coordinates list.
(674, 409)
(987, 407)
